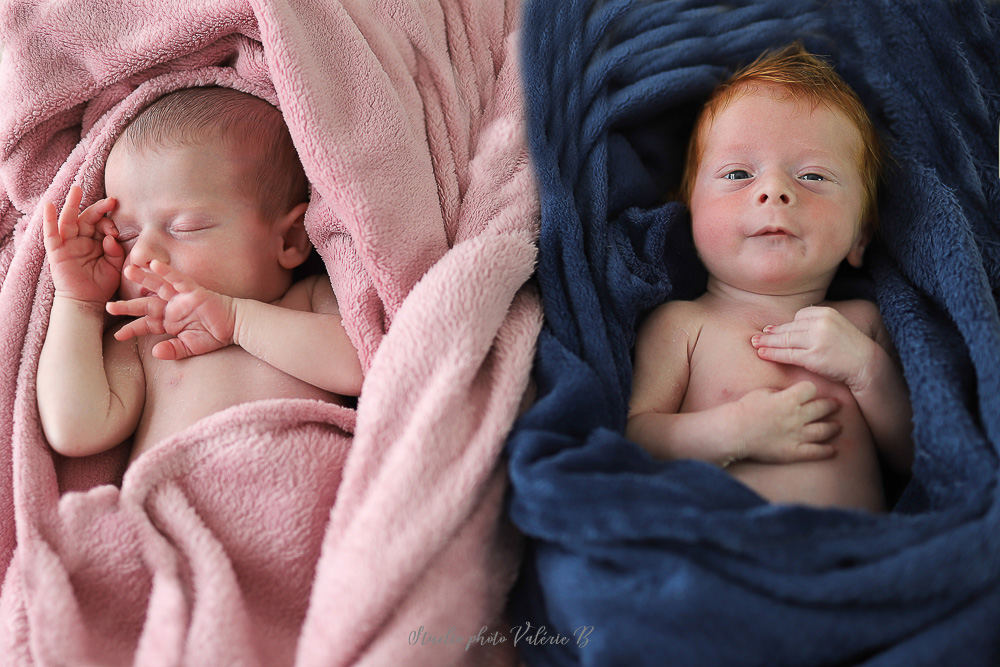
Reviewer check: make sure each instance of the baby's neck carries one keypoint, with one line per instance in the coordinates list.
(728, 296)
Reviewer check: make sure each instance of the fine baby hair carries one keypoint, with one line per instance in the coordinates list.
(235, 120)
(896, 588)
(423, 208)
(794, 73)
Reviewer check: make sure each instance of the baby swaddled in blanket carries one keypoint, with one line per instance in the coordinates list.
(790, 392)
(284, 530)
(207, 198)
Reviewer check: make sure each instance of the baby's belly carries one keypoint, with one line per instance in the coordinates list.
(180, 393)
(851, 479)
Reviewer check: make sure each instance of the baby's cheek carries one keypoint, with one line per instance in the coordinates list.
(709, 239)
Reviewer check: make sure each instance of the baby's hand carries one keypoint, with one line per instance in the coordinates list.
(83, 254)
(785, 426)
(199, 320)
(820, 340)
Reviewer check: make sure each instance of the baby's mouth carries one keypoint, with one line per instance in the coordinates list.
(773, 232)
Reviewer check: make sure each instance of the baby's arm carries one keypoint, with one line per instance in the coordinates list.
(309, 343)
(829, 342)
(764, 425)
(90, 393)
(312, 346)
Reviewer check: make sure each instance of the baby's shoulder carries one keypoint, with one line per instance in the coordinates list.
(674, 320)
(313, 294)
(677, 313)
(861, 313)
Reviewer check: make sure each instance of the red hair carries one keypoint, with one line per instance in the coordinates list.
(801, 75)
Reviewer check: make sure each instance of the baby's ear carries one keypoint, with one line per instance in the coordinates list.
(295, 244)
(857, 251)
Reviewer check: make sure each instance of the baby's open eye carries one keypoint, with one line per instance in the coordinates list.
(737, 175)
(812, 177)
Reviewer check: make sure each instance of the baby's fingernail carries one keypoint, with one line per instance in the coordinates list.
(754, 340)
(768, 328)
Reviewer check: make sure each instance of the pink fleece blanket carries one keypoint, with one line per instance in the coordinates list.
(284, 531)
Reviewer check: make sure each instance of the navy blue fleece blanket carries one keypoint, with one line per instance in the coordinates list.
(633, 561)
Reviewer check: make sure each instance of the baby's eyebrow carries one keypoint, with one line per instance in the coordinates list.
(819, 153)
(192, 213)
(734, 148)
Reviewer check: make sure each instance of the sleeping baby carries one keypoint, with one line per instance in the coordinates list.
(796, 396)
(206, 198)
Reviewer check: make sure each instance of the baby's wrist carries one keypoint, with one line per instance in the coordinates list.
(736, 429)
(83, 305)
(862, 378)
(238, 316)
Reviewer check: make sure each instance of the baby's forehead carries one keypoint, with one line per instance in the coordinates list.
(230, 140)
(750, 104)
(739, 97)
(238, 154)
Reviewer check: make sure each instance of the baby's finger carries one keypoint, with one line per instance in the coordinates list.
(801, 324)
(819, 409)
(50, 227)
(89, 219)
(70, 212)
(819, 432)
(134, 329)
(798, 339)
(781, 355)
(113, 251)
(802, 392)
(179, 281)
(143, 276)
(812, 451)
(106, 226)
(148, 305)
(171, 350)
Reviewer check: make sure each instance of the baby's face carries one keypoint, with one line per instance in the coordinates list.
(179, 205)
(777, 199)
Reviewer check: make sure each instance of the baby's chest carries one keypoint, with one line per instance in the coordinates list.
(217, 380)
(725, 366)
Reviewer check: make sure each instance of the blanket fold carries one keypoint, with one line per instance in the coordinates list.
(677, 563)
(284, 531)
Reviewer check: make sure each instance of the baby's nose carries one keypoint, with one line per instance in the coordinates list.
(145, 250)
(775, 190)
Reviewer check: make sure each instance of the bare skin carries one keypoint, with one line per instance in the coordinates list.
(180, 392)
(794, 395)
(217, 320)
(788, 433)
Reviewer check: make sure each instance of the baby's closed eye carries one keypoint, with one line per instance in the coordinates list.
(127, 236)
(187, 229)
(189, 226)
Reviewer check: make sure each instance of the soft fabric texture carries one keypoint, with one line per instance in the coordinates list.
(284, 531)
(676, 563)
